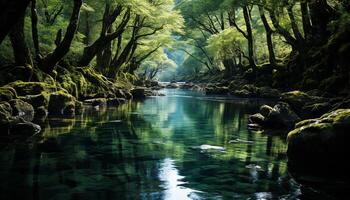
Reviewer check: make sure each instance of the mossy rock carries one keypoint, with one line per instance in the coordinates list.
(298, 100)
(318, 147)
(22, 109)
(39, 100)
(31, 88)
(5, 112)
(7, 93)
(101, 102)
(138, 93)
(61, 103)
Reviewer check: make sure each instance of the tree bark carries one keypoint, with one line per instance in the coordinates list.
(306, 20)
(91, 51)
(20, 48)
(249, 37)
(268, 30)
(11, 12)
(35, 35)
(321, 14)
(49, 62)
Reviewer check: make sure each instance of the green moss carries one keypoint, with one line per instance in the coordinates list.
(31, 88)
(59, 102)
(7, 93)
(40, 100)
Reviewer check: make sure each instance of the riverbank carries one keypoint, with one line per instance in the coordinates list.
(66, 93)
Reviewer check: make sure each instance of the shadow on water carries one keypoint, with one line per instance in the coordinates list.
(151, 150)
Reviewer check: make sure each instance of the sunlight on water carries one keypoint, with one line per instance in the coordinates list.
(172, 183)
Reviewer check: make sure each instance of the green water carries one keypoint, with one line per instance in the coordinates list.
(155, 149)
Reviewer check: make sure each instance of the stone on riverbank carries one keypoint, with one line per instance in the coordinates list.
(279, 116)
(318, 148)
(22, 109)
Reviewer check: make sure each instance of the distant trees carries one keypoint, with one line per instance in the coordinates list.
(117, 40)
(268, 29)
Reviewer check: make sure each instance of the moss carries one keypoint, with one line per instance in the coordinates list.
(7, 93)
(59, 102)
(31, 88)
(40, 100)
(22, 109)
(5, 112)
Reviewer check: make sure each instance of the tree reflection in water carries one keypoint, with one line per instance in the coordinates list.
(150, 150)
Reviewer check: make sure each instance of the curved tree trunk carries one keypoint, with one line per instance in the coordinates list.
(49, 62)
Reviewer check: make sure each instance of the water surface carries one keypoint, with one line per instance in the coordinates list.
(181, 146)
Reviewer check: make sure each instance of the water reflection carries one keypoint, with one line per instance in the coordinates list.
(150, 150)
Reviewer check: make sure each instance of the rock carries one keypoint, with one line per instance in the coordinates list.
(31, 88)
(216, 90)
(138, 93)
(5, 113)
(265, 110)
(41, 113)
(101, 102)
(256, 119)
(25, 129)
(242, 93)
(267, 92)
(38, 100)
(115, 101)
(151, 83)
(186, 86)
(280, 115)
(318, 148)
(79, 107)
(317, 109)
(22, 109)
(299, 101)
(61, 103)
(172, 86)
(7, 94)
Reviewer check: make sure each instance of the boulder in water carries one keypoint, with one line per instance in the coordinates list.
(318, 148)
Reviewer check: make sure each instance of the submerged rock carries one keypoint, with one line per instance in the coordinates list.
(318, 148)
(25, 129)
(281, 115)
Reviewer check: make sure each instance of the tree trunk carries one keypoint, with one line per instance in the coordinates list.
(50, 61)
(306, 21)
(11, 12)
(91, 51)
(35, 35)
(249, 37)
(268, 30)
(321, 14)
(20, 48)
(87, 30)
(294, 24)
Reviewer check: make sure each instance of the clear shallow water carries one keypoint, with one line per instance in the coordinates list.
(181, 146)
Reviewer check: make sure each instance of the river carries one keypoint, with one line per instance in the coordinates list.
(180, 146)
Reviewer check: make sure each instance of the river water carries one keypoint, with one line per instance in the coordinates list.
(180, 146)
